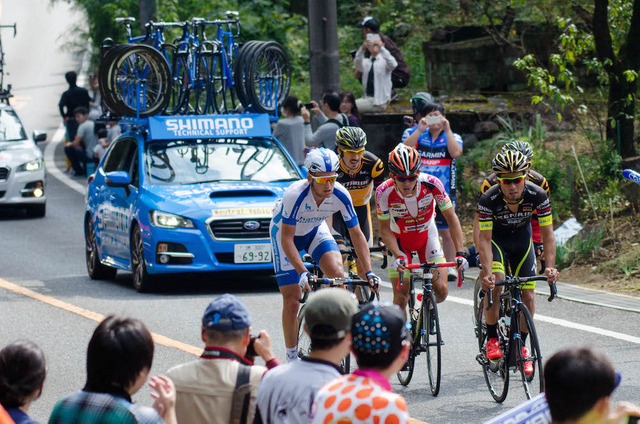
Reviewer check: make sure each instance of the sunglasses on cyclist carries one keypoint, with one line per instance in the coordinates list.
(514, 180)
(353, 152)
(408, 179)
(324, 180)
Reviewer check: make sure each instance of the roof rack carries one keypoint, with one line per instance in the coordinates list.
(5, 94)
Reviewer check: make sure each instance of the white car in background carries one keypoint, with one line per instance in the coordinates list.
(22, 173)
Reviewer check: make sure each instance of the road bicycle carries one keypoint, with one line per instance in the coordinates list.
(316, 283)
(2, 55)
(422, 310)
(350, 261)
(514, 318)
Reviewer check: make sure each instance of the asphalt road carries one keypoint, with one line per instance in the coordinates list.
(46, 256)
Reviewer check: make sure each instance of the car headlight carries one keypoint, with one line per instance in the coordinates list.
(169, 220)
(30, 166)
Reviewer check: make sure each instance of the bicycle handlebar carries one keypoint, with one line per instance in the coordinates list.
(514, 281)
(334, 282)
(427, 266)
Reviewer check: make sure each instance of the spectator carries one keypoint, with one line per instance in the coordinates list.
(290, 129)
(329, 120)
(439, 148)
(119, 359)
(401, 74)
(578, 387)
(221, 386)
(22, 374)
(375, 68)
(349, 108)
(286, 393)
(101, 146)
(4, 417)
(365, 395)
(80, 151)
(71, 99)
(95, 105)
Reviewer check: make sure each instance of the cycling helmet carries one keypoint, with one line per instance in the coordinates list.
(509, 162)
(322, 160)
(520, 146)
(420, 100)
(404, 161)
(351, 138)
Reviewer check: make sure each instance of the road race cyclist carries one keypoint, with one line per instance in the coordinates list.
(504, 215)
(360, 173)
(299, 223)
(405, 204)
(533, 176)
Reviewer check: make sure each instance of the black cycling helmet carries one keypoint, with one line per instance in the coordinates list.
(520, 146)
(351, 138)
(509, 162)
(404, 161)
(420, 100)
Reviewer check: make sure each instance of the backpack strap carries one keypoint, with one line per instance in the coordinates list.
(241, 396)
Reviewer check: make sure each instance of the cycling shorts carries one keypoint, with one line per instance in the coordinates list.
(426, 245)
(318, 242)
(341, 232)
(514, 252)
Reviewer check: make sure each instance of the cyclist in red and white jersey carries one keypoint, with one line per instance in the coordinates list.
(405, 204)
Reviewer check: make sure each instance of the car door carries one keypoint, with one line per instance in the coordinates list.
(119, 202)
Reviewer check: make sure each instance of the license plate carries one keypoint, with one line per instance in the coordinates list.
(251, 253)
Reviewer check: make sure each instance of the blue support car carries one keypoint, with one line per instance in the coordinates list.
(177, 194)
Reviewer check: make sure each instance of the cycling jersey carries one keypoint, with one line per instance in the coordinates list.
(360, 183)
(536, 178)
(436, 159)
(362, 397)
(298, 207)
(411, 218)
(511, 232)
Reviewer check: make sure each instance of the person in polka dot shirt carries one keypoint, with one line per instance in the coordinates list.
(380, 343)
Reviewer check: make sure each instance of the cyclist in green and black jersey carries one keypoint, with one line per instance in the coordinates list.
(504, 215)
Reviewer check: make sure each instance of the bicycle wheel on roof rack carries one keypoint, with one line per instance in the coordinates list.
(106, 63)
(239, 70)
(267, 78)
(137, 80)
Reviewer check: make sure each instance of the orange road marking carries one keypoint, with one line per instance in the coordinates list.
(94, 316)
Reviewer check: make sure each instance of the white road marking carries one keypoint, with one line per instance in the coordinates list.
(555, 321)
(52, 169)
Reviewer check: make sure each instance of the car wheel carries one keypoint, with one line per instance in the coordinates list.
(36, 211)
(142, 280)
(95, 268)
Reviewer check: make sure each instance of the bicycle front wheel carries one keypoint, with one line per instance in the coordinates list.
(304, 341)
(496, 373)
(406, 373)
(532, 376)
(432, 340)
(268, 78)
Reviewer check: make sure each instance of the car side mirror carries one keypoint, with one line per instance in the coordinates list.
(39, 136)
(118, 179)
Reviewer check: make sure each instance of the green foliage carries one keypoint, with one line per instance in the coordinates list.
(583, 245)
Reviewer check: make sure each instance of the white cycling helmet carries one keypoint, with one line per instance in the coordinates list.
(322, 160)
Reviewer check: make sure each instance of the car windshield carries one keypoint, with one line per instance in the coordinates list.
(10, 127)
(212, 160)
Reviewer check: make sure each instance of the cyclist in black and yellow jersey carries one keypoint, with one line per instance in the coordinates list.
(504, 215)
(360, 172)
(533, 176)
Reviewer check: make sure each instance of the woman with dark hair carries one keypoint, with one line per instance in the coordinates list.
(349, 108)
(22, 373)
(290, 129)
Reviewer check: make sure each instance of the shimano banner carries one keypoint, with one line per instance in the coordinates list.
(209, 126)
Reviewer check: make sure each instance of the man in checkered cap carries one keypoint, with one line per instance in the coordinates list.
(380, 342)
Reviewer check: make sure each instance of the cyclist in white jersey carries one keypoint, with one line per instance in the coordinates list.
(298, 224)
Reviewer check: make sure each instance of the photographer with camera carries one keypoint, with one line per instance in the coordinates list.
(216, 387)
(374, 63)
(327, 119)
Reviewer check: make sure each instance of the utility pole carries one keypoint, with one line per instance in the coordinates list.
(324, 62)
(147, 12)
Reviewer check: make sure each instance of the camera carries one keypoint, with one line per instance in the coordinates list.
(251, 349)
(309, 105)
(373, 37)
(353, 53)
(433, 120)
(407, 120)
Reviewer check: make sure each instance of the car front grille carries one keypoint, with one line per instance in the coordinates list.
(4, 173)
(235, 229)
(225, 258)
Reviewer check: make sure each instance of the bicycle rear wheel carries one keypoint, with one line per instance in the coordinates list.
(405, 375)
(179, 95)
(432, 341)
(496, 373)
(304, 341)
(137, 80)
(534, 382)
(267, 78)
(240, 68)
